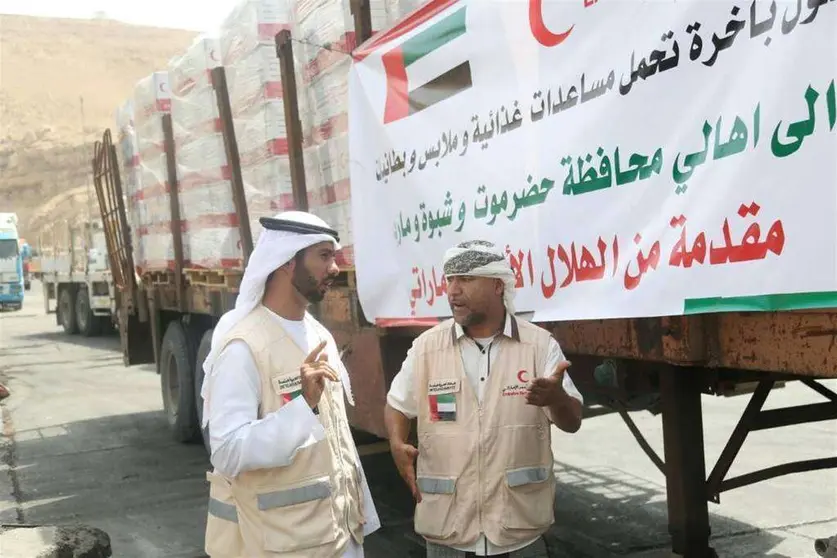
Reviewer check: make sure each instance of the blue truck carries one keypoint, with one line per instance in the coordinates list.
(11, 264)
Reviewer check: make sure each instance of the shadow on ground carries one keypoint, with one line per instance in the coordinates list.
(125, 475)
(108, 340)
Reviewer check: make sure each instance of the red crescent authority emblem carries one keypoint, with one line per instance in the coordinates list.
(539, 30)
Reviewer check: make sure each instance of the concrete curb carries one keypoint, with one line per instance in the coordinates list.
(54, 541)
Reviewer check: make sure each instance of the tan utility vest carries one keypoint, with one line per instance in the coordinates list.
(482, 468)
(307, 509)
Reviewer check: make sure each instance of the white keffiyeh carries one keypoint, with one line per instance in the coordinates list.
(274, 249)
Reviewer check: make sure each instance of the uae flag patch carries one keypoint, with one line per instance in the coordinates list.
(443, 407)
(288, 387)
(288, 397)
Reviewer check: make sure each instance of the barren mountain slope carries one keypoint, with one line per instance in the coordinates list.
(61, 81)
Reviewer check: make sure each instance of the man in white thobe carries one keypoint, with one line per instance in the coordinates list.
(273, 402)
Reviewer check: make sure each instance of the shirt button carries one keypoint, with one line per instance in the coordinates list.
(482, 379)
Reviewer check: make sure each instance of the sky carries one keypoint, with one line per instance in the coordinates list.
(194, 15)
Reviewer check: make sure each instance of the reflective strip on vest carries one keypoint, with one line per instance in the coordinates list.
(281, 498)
(431, 485)
(222, 510)
(519, 477)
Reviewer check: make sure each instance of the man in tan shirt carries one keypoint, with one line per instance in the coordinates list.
(484, 387)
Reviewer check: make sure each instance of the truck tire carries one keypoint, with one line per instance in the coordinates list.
(67, 310)
(203, 352)
(88, 324)
(177, 383)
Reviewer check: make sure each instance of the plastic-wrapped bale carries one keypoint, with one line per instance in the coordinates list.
(263, 149)
(207, 210)
(325, 30)
(327, 181)
(255, 88)
(129, 156)
(152, 98)
(398, 9)
(252, 23)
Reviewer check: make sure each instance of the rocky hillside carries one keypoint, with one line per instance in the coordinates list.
(61, 81)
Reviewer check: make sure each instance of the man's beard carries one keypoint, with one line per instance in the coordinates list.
(307, 285)
(472, 319)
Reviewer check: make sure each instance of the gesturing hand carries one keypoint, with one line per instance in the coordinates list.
(547, 391)
(404, 456)
(313, 373)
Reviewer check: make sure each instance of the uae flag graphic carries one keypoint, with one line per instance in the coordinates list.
(288, 397)
(404, 97)
(443, 407)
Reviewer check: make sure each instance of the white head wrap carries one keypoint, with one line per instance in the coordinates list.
(480, 258)
(274, 249)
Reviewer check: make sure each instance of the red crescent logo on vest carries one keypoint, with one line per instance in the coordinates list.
(521, 376)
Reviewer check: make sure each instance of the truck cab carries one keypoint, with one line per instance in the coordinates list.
(26, 256)
(11, 264)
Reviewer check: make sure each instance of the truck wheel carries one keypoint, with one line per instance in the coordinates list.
(66, 308)
(203, 352)
(177, 384)
(88, 324)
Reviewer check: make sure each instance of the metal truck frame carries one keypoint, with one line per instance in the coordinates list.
(663, 365)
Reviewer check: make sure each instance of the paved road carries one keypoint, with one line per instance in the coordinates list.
(85, 441)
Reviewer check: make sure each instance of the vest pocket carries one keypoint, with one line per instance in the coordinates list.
(528, 498)
(433, 516)
(223, 537)
(298, 517)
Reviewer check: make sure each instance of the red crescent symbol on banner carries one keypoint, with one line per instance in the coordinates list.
(521, 376)
(543, 35)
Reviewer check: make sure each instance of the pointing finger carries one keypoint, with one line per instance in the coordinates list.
(561, 367)
(312, 356)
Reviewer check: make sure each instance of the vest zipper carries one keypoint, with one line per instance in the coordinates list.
(479, 450)
(339, 452)
(335, 424)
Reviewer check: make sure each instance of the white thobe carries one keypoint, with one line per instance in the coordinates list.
(478, 356)
(240, 441)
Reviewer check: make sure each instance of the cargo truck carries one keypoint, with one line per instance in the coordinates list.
(11, 264)
(660, 363)
(75, 276)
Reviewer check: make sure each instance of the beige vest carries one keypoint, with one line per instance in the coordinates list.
(307, 509)
(482, 468)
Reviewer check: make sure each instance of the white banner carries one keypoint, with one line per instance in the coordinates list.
(633, 158)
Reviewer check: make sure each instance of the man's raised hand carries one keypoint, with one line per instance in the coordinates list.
(313, 373)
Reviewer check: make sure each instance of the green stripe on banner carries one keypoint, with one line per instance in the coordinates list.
(761, 303)
(434, 37)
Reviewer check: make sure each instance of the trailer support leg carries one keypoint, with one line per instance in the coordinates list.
(688, 512)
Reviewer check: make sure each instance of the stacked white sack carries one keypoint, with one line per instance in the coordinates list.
(398, 9)
(128, 150)
(152, 99)
(325, 29)
(203, 172)
(248, 38)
